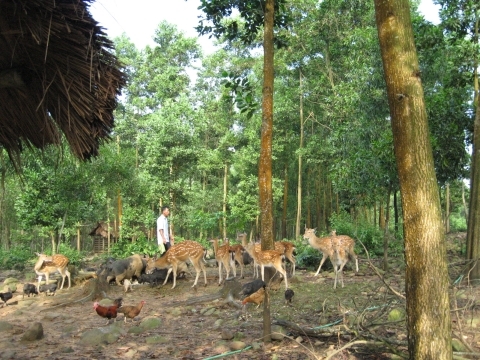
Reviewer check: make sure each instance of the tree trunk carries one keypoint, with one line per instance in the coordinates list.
(426, 279)
(473, 232)
(395, 211)
(225, 178)
(299, 185)
(447, 209)
(285, 203)
(385, 232)
(265, 162)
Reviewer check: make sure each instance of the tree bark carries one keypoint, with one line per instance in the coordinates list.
(285, 203)
(265, 162)
(428, 310)
(299, 185)
(473, 232)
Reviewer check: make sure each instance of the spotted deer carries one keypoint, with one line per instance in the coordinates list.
(238, 251)
(175, 256)
(325, 245)
(47, 265)
(268, 258)
(338, 258)
(223, 257)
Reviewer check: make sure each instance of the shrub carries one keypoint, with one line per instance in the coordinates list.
(125, 248)
(15, 258)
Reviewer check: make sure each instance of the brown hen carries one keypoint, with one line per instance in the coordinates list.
(131, 311)
(257, 297)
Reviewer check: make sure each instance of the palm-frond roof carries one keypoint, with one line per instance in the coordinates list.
(58, 74)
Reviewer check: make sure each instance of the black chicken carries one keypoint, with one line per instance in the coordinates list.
(6, 296)
(289, 296)
(251, 287)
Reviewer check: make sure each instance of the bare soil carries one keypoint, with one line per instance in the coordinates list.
(319, 322)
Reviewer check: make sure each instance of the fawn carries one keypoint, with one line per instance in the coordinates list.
(177, 254)
(47, 265)
(223, 256)
(270, 258)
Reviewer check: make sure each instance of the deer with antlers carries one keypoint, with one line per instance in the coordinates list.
(177, 254)
(47, 265)
(267, 258)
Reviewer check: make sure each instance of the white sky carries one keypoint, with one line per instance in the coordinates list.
(139, 19)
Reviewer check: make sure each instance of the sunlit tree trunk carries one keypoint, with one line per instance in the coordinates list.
(426, 283)
(285, 202)
(225, 181)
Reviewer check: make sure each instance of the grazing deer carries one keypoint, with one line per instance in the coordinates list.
(270, 258)
(177, 254)
(223, 256)
(47, 265)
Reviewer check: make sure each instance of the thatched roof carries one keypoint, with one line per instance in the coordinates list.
(101, 229)
(57, 74)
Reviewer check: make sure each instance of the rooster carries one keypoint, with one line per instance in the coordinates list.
(257, 297)
(108, 312)
(131, 311)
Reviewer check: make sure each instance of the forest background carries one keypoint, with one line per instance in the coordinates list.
(195, 145)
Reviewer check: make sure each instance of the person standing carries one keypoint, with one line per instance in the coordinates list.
(164, 237)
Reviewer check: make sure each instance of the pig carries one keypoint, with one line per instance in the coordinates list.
(29, 289)
(119, 270)
(48, 289)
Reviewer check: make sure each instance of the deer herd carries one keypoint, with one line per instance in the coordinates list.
(339, 248)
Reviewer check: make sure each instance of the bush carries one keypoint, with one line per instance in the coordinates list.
(15, 258)
(457, 223)
(125, 248)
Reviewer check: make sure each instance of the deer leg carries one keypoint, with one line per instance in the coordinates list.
(197, 270)
(219, 272)
(263, 276)
(321, 263)
(174, 267)
(69, 278)
(168, 274)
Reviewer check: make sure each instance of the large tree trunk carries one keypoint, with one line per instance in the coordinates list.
(473, 233)
(265, 162)
(428, 310)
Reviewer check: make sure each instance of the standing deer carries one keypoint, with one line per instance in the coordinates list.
(238, 251)
(270, 258)
(339, 258)
(177, 254)
(47, 265)
(223, 256)
(342, 243)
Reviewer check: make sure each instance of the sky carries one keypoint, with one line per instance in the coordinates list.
(139, 21)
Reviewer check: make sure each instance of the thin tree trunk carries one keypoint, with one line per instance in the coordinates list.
(473, 232)
(428, 306)
(465, 207)
(395, 211)
(447, 208)
(385, 232)
(265, 162)
(225, 178)
(285, 202)
(299, 185)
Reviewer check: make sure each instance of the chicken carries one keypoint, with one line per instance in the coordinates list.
(108, 312)
(131, 311)
(288, 296)
(251, 287)
(6, 296)
(257, 297)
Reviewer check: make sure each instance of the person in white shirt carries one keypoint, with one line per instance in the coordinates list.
(164, 237)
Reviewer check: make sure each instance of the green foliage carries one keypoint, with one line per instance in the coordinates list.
(125, 248)
(72, 254)
(368, 234)
(458, 223)
(15, 258)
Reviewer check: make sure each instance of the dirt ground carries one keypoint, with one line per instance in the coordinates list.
(364, 318)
